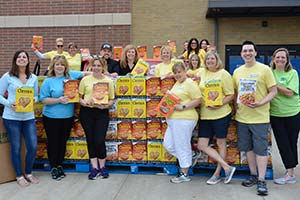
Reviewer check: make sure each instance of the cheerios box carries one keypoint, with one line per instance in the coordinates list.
(153, 86)
(151, 106)
(139, 130)
(81, 150)
(124, 108)
(166, 84)
(138, 86)
(139, 151)
(38, 109)
(41, 151)
(78, 130)
(112, 150)
(166, 156)
(154, 150)
(123, 86)
(112, 131)
(40, 130)
(124, 128)
(138, 108)
(232, 133)
(125, 151)
(164, 127)
(154, 129)
(233, 155)
(70, 150)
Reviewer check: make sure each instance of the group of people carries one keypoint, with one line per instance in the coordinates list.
(276, 90)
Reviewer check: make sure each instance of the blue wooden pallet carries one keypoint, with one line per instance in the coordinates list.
(69, 166)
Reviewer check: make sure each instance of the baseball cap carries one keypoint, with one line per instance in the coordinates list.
(106, 46)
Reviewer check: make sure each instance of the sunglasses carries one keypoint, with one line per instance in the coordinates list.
(60, 46)
(106, 46)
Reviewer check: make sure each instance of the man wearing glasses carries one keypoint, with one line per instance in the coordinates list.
(113, 65)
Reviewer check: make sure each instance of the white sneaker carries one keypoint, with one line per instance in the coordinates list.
(229, 174)
(214, 180)
(286, 179)
(181, 178)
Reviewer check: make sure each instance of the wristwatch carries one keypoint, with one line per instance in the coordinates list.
(183, 107)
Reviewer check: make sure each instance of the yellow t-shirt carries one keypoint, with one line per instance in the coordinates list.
(264, 79)
(74, 62)
(186, 91)
(192, 72)
(201, 55)
(162, 69)
(227, 89)
(86, 86)
(52, 54)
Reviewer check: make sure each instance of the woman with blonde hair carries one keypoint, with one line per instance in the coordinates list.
(164, 69)
(194, 67)
(128, 59)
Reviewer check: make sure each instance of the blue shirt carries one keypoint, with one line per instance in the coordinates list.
(53, 87)
(10, 84)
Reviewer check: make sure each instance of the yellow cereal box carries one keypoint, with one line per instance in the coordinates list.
(38, 109)
(78, 130)
(124, 128)
(40, 130)
(138, 86)
(138, 107)
(117, 52)
(213, 95)
(125, 151)
(151, 105)
(233, 155)
(37, 42)
(156, 52)
(123, 85)
(166, 84)
(139, 151)
(154, 150)
(81, 150)
(112, 131)
(154, 129)
(166, 156)
(124, 108)
(41, 151)
(24, 99)
(70, 150)
(142, 50)
(71, 90)
(153, 86)
(140, 68)
(139, 130)
(112, 151)
(100, 93)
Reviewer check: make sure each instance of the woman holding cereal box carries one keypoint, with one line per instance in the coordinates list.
(128, 60)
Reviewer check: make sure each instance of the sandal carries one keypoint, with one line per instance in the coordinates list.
(22, 181)
(32, 179)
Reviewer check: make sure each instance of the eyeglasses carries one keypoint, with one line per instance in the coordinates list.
(57, 57)
(194, 43)
(60, 46)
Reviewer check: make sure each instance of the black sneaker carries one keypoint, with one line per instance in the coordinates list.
(250, 181)
(61, 172)
(94, 174)
(54, 173)
(104, 172)
(262, 188)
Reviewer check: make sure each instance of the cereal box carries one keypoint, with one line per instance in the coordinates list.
(78, 130)
(71, 90)
(164, 127)
(85, 53)
(113, 111)
(167, 104)
(38, 109)
(123, 85)
(139, 130)
(154, 150)
(151, 105)
(124, 128)
(142, 50)
(231, 133)
(166, 156)
(153, 86)
(125, 151)
(124, 108)
(40, 130)
(166, 84)
(112, 151)
(154, 129)
(70, 150)
(100, 93)
(233, 155)
(37, 42)
(112, 131)
(41, 151)
(172, 44)
(81, 150)
(139, 151)
(40, 82)
(138, 86)
(138, 107)
(156, 52)
(247, 89)
(24, 99)
(140, 68)
(117, 52)
(213, 93)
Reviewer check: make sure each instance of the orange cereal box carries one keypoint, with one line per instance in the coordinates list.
(233, 155)
(166, 156)
(112, 151)
(113, 111)
(139, 130)
(156, 52)
(142, 50)
(117, 52)
(124, 108)
(172, 44)
(138, 86)
(81, 150)
(40, 130)
(100, 93)
(164, 127)
(123, 85)
(140, 68)
(38, 109)
(124, 128)
(24, 99)
(153, 86)
(138, 107)
(151, 105)
(167, 104)
(112, 131)
(139, 151)
(125, 151)
(71, 90)
(166, 84)
(78, 130)
(70, 150)
(37, 42)
(154, 129)
(231, 133)
(41, 151)
(154, 151)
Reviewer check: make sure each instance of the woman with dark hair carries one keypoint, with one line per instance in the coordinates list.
(285, 113)
(128, 59)
(203, 49)
(18, 124)
(193, 48)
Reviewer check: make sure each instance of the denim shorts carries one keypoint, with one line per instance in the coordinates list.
(253, 137)
(218, 127)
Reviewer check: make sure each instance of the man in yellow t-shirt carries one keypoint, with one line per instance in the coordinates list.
(255, 87)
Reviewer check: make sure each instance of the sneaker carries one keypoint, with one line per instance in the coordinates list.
(214, 180)
(61, 171)
(250, 181)
(94, 174)
(104, 172)
(262, 188)
(55, 174)
(229, 175)
(180, 179)
(195, 157)
(286, 179)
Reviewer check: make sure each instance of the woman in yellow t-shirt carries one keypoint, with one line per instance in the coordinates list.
(182, 121)
(74, 58)
(164, 69)
(94, 117)
(194, 67)
(215, 113)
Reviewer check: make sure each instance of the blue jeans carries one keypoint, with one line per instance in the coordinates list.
(15, 129)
